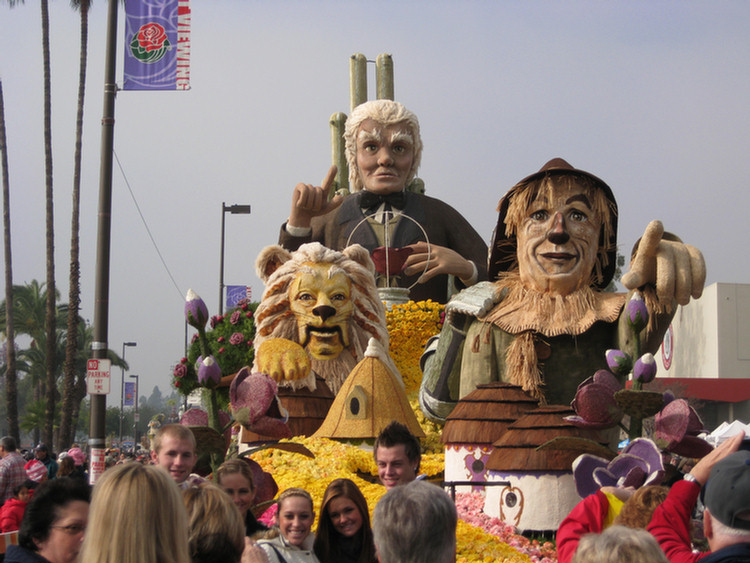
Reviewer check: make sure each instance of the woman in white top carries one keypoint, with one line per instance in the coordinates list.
(293, 541)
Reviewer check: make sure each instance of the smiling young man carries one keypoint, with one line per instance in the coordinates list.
(397, 454)
(173, 449)
(383, 151)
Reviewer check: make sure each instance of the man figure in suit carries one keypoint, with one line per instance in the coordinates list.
(384, 149)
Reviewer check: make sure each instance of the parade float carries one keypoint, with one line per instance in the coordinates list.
(517, 387)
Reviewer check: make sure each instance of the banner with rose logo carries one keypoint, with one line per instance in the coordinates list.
(157, 45)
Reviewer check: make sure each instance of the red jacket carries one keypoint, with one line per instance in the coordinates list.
(588, 516)
(11, 514)
(670, 524)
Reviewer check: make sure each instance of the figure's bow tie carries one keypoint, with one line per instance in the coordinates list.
(370, 200)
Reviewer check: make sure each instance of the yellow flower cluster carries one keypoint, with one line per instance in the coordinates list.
(410, 326)
(474, 544)
(334, 459)
(432, 442)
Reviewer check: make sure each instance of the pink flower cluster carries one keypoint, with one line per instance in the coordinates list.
(269, 516)
(469, 507)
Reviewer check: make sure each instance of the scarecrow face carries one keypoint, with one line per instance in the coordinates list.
(385, 154)
(321, 302)
(558, 240)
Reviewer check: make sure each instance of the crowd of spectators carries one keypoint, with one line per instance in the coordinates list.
(164, 513)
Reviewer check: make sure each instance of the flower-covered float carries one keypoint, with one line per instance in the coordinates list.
(312, 462)
(316, 337)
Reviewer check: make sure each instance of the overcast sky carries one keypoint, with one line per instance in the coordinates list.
(651, 96)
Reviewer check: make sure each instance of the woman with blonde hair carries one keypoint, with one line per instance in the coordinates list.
(344, 533)
(235, 478)
(137, 516)
(215, 530)
(291, 539)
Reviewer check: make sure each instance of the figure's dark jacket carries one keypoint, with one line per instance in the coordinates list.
(444, 227)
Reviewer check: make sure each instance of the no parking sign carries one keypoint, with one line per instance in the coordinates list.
(97, 376)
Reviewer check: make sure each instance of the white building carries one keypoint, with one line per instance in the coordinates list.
(706, 354)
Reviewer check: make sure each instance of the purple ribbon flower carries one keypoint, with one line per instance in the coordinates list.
(644, 370)
(639, 464)
(637, 312)
(209, 372)
(595, 404)
(619, 362)
(676, 429)
(196, 312)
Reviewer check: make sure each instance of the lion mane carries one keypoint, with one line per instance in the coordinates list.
(278, 268)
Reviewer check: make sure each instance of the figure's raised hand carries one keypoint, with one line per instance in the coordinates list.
(434, 260)
(310, 201)
(282, 360)
(677, 269)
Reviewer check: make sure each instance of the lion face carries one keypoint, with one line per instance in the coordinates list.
(321, 303)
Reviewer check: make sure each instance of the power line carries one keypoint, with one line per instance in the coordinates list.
(143, 220)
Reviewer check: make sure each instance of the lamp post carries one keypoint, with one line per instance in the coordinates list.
(122, 386)
(234, 210)
(135, 414)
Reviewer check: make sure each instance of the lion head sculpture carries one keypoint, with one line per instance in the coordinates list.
(324, 300)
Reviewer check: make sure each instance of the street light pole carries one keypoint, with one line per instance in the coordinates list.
(234, 210)
(122, 386)
(135, 413)
(100, 344)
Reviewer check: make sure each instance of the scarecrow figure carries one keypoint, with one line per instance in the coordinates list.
(543, 322)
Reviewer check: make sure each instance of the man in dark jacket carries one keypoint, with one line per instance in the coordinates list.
(724, 476)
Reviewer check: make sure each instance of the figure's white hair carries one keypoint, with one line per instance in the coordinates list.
(385, 112)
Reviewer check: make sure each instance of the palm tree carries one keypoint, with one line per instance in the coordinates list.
(28, 306)
(11, 381)
(51, 324)
(29, 309)
(65, 436)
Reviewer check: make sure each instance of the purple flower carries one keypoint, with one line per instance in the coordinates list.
(196, 312)
(196, 416)
(676, 429)
(639, 464)
(619, 362)
(637, 312)
(180, 371)
(236, 338)
(255, 405)
(644, 370)
(209, 372)
(595, 402)
(235, 318)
